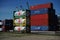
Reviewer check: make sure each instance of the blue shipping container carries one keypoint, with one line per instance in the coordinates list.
(40, 11)
(39, 28)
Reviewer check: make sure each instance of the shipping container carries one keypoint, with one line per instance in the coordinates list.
(22, 16)
(17, 21)
(39, 20)
(39, 23)
(48, 5)
(1, 23)
(1, 29)
(20, 24)
(8, 23)
(16, 24)
(40, 16)
(39, 11)
(39, 28)
(27, 21)
(19, 13)
(20, 20)
(17, 28)
(52, 20)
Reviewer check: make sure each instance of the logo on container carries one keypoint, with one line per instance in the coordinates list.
(19, 13)
(20, 20)
(37, 28)
(39, 11)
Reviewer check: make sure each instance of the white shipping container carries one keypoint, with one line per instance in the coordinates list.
(16, 28)
(0, 29)
(1, 23)
(22, 12)
(19, 13)
(19, 28)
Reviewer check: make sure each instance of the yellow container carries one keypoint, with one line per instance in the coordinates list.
(17, 24)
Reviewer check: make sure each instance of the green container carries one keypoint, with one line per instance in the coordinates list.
(22, 16)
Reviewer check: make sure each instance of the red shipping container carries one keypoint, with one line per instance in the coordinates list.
(38, 17)
(48, 5)
(39, 23)
(39, 20)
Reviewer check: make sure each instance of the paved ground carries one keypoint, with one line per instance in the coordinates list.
(18, 36)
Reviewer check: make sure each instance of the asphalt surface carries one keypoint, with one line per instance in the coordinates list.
(19, 36)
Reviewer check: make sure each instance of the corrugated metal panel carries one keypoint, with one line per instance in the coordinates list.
(39, 28)
(39, 23)
(39, 20)
(41, 16)
(39, 11)
(48, 5)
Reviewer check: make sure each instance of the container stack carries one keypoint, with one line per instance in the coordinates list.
(8, 25)
(41, 19)
(58, 23)
(1, 24)
(19, 20)
(28, 21)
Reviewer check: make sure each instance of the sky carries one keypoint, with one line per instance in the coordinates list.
(8, 6)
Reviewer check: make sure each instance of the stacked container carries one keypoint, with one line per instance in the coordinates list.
(28, 21)
(8, 25)
(1, 23)
(39, 20)
(40, 17)
(19, 20)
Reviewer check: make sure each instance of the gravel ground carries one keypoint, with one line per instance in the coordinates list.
(17, 36)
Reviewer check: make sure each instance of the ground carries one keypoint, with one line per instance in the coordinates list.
(20, 36)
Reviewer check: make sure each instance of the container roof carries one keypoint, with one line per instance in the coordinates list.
(47, 5)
